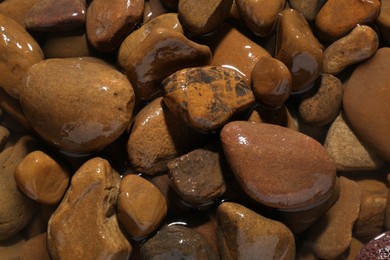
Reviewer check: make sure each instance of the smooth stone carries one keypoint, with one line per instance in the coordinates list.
(383, 20)
(280, 116)
(87, 103)
(244, 234)
(85, 224)
(177, 242)
(16, 210)
(299, 50)
(66, 45)
(354, 249)
(162, 53)
(261, 16)
(377, 248)
(331, 235)
(366, 105)
(41, 178)
(17, 9)
(19, 52)
(207, 227)
(337, 18)
(153, 9)
(360, 44)
(198, 177)
(308, 8)
(203, 16)
(35, 248)
(271, 82)
(109, 23)
(10, 249)
(56, 15)
(206, 97)
(4, 135)
(323, 106)
(347, 150)
(141, 206)
(157, 137)
(171, 5)
(279, 167)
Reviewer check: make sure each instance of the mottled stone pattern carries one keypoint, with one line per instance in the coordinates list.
(378, 248)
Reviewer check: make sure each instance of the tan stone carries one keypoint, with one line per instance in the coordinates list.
(35, 248)
(353, 250)
(66, 44)
(17, 9)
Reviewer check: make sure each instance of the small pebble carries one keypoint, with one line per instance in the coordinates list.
(377, 248)
(308, 8)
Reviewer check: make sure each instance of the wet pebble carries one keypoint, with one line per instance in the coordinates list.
(308, 8)
(66, 45)
(4, 135)
(280, 116)
(377, 248)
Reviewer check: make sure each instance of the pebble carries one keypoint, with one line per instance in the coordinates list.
(377, 248)
(109, 23)
(203, 16)
(347, 150)
(85, 224)
(331, 235)
(324, 105)
(280, 116)
(360, 44)
(177, 242)
(271, 82)
(337, 18)
(387, 213)
(141, 206)
(308, 8)
(35, 248)
(11, 248)
(299, 173)
(89, 103)
(19, 51)
(260, 16)
(198, 177)
(366, 105)
(4, 136)
(353, 250)
(206, 97)
(153, 9)
(244, 234)
(42, 178)
(67, 45)
(172, 5)
(17, 9)
(56, 15)
(383, 20)
(299, 50)
(158, 137)
(16, 210)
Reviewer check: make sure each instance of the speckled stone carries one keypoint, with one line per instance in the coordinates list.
(377, 248)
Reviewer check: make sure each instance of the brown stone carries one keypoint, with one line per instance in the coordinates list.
(336, 18)
(66, 45)
(19, 51)
(324, 105)
(4, 135)
(86, 103)
(383, 20)
(172, 5)
(308, 8)
(278, 167)
(280, 116)
(260, 16)
(141, 206)
(207, 97)
(42, 178)
(85, 224)
(17, 9)
(244, 234)
(377, 248)
(387, 212)
(360, 44)
(299, 50)
(153, 9)
(35, 248)
(109, 22)
(11, 248)
(203, 16)
(366, 102)
(353, 250)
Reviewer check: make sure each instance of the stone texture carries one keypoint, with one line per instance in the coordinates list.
(198, 177)
(87, 103)
(203, 16)
(56, 15)
(353, 250)
(336, 18)
(323, 106)
(280, 116)
(348, 152)
(271, 82)
(4, 135)
(207, 97)
(308, 8)
(141, 206)
(19, 51)
(366, 103)
(85, 224)
(299, 50)
(66, 45)
(109, 23)
(41, 178)
(383, 20)
(260, 16)
(171, 5)
(278, 167)
(244, 234)
(153, 9)
(157, 136)
(11, 248)
(177, 242)
(16, 210)
(360, 44)
(35, 248)
(377, 248)
(331, 235)
(17, 9)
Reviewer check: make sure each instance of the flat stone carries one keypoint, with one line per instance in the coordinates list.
(109, 23)
(206, 97)
(87, 103)
(299, 50)
(366, 105)
(17, 9)
(383, 20)
(85, 224)
(35, 248)
(280, 116)
(360, 44)
(347, 150)
(278, 167)
(141, 206)
(308, 8)
(244, 234)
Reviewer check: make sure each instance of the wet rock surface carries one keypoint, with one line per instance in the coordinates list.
(309, 8)
(17, 9)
